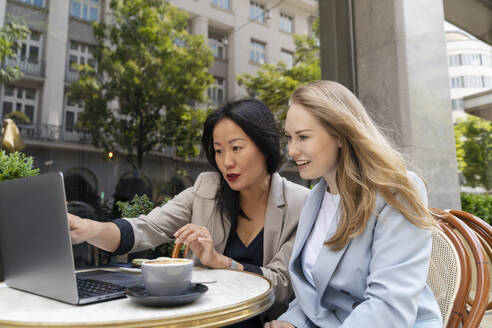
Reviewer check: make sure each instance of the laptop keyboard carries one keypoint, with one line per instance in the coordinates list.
(91, 288)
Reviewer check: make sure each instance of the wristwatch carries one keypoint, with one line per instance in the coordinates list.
(233, 264)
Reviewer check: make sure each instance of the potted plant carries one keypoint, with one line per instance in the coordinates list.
(13, 166)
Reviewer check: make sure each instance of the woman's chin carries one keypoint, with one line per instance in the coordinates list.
(308, 176)
(234, 186)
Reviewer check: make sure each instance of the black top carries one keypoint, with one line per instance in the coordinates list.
(250, 257)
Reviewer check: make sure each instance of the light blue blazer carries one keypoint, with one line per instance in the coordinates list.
(377, 280)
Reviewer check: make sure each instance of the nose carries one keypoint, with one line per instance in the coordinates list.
(229, 161)
(293, 150)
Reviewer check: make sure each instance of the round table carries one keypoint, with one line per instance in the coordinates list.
(232, 296)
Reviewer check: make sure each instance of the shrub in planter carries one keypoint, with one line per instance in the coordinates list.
(478, 205)
(16, 165)
(141, 205)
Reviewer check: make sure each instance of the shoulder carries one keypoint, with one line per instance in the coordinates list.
(419, 185)
(293, 193)
(207, 185)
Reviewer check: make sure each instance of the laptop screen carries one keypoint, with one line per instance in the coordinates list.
(35, 243)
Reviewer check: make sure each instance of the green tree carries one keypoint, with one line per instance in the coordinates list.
(474, 151)
(150, 72)
(273, 84)
(10, 34)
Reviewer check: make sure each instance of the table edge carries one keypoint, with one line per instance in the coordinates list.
(217, 318)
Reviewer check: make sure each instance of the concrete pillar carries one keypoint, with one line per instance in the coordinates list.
(56, 52)
(401, 76)
(199, 25)
(3, 10)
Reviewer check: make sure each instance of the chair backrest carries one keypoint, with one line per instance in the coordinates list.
(444, 273)
(484, 233)
(177, 250)
(465, 239)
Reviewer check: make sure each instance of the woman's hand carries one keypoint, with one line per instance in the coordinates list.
(278, 324)
(80, 229)
(199, 240)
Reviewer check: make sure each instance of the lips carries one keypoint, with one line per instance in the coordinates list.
(231, 177)
(302, 164)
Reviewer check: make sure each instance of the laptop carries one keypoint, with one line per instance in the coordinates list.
(36, 249)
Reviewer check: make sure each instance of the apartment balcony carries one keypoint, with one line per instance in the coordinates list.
(50, 132)
(72, 76)
(28, 68)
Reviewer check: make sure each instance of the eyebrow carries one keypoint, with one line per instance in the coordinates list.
(230, 141)
(299, 131)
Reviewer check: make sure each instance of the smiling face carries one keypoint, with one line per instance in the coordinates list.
(314, 150)
(239, 160)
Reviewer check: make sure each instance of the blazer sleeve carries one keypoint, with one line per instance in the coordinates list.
(159, 226)
(397, 271)
(277, 270)
(295, 316)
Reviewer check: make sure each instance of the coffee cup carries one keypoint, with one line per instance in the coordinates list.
(167, 277)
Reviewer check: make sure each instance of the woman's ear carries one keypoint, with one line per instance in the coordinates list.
(339, 142)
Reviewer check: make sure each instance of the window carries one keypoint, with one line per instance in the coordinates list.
(257, 52)
(216, 92)
(487, 82)
(470, 59)
(79, 53)
(37, 3)
(85, 9)
(19, 99)
(454, 60)
(456, 82)
(457, 104)
(287, 57)
(257, 12)
(218, 45)
(72, 112)
(30, 48)
(226, 4)
(286, 23)
(486, 60)
(472, 82)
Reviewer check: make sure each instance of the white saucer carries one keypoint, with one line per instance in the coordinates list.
(131, 270)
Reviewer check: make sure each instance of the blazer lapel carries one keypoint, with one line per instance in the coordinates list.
(220, 231)
(308, 217)
(274, 218)
(328, 259)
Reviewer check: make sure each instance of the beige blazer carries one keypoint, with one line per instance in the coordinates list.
(197, 205)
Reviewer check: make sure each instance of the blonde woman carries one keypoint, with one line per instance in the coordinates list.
(363, 243)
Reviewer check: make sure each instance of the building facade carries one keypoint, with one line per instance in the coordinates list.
(243, 35)
(470, 68)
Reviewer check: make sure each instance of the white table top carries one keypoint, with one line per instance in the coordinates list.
(234, 297)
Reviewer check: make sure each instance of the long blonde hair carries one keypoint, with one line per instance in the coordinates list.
(367, 163)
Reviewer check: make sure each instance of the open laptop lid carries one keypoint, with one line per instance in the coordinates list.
(35, 243)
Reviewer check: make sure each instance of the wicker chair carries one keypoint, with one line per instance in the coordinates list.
(471, 254)
(445, 273)
(484, 233)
